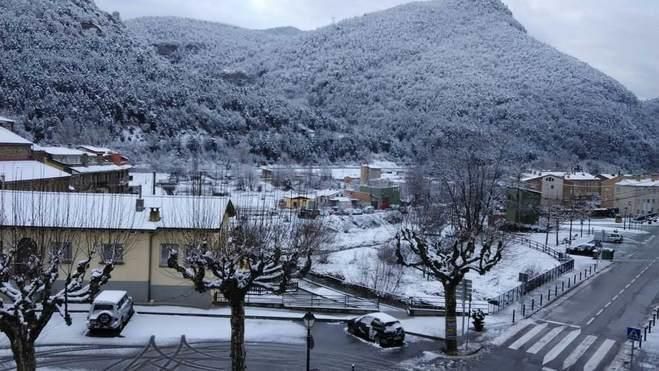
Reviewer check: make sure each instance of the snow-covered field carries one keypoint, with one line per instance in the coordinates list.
(357, 266)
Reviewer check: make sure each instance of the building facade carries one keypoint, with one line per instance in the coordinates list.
(136, 233)
(637, 197)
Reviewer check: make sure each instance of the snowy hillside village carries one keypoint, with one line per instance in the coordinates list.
(364, 206)
(147, 227)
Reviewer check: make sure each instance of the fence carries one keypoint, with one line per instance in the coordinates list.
(436, 305)
(541, 298)
(535, 245)
(300, 299)
(513, 295)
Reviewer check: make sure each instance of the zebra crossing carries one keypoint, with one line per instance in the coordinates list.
(559, 346)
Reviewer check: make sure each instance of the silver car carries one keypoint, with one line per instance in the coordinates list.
(110, 311)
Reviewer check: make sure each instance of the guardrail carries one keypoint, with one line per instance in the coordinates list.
(305, 300)
(436, 305)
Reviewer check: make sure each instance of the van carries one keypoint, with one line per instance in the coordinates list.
(614, 237)
(110, 311)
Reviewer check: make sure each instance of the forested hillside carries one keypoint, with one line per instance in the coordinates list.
(404, 83)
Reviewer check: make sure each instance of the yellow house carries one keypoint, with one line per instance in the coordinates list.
(138, 234)
(296, 202)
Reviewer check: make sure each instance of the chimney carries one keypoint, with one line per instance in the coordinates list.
(154, 215)
(139, 203)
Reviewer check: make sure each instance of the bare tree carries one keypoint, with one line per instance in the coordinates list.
(261, 253)
(456, 232)
(41, 238)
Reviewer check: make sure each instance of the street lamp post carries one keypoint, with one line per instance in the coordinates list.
(309, 320)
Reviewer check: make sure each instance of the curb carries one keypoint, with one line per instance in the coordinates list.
(569, 291)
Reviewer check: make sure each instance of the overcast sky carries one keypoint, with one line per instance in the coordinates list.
(619, 37)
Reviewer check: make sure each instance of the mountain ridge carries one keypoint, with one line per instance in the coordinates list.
(406, 83)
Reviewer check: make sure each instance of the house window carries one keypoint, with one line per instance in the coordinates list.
(26, 249)
(64, 248)
(551, 186)
(165, 250)
(113, 252)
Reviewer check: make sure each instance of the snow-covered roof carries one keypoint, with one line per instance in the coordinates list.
(100, 168)
(110, 296)
(638, 183)
(58, 151)
(6, 119)
(542, 174)
(608, 176)
(327, 192)
(96, 150)
(341, 199)
(292, 196)
(109, 211)
(28, 170)
(9, 137)
(580, 176)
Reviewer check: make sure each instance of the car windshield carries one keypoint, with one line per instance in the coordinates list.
(98, 307)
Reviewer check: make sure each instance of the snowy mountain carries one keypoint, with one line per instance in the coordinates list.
(407, 82)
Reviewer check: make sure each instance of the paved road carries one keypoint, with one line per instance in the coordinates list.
(335, 350)
(585, 329)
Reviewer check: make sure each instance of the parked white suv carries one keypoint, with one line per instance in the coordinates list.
(110, 310)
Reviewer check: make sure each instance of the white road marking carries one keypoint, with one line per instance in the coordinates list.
(615, 297)
(607, 305)
(599, 355)
(510, 333)
(547, 369)
(621, 291)
(528, 336)
(627, 285)
(579, 351)
(590, 321)
(545, 340)
(650, 239)
(599, 312)
(560, 347)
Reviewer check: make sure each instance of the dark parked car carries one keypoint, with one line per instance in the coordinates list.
(379, 328)
(585, 249)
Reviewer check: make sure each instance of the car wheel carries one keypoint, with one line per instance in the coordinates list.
(104, 318)
(377, 340)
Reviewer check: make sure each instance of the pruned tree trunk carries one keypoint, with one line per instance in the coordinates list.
(237, 303)
(451, 329)
(24, 354)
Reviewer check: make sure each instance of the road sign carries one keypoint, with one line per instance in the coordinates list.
(634, 333)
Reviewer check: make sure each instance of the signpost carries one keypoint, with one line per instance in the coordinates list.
(464, 290)
(633, 334)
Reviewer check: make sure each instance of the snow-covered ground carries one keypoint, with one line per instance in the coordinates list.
(363, 230)
(168, 329)
(650, 351)
(357, 266)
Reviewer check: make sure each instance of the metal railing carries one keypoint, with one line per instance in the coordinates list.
(535, 245)
(437, 304)
(515, 294)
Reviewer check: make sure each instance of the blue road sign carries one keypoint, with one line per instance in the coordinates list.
(634, 333)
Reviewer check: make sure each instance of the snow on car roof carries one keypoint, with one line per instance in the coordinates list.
(110, 296)
(383, 317)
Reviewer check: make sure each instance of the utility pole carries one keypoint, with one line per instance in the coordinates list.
(548, 225)
(557, 227)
